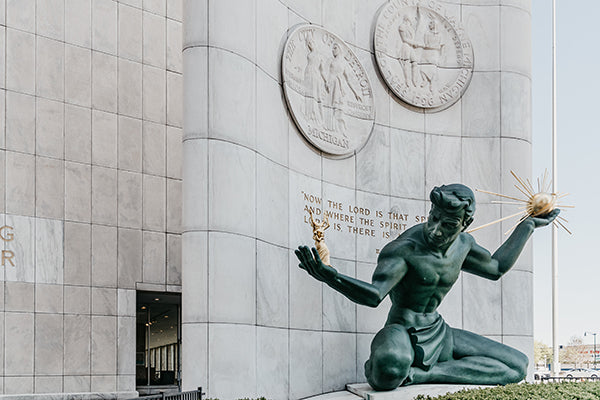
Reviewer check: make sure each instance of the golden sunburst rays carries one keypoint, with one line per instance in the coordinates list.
(535, 204)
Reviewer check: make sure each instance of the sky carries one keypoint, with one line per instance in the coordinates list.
(578, 112)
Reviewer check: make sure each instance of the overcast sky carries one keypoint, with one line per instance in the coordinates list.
(578, 116)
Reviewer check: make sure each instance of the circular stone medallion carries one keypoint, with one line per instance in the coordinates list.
(327, 91)
(423, 54)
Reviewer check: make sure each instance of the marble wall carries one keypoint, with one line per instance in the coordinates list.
(253, 323)
(90, 170)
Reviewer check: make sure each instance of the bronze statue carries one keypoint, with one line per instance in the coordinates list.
(417, 270)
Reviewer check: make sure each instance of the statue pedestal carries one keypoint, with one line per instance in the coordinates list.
(407, 392)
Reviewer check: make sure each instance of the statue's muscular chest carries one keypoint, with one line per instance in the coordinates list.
(435, 271)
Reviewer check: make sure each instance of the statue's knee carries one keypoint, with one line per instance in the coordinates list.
(518, 370)
(388, 371)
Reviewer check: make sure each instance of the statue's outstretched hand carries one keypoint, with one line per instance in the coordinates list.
(546, 219)
(311, 263)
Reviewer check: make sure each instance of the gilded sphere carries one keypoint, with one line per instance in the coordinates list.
(542, 203)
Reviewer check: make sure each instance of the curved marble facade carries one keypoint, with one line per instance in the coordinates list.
(253, 323)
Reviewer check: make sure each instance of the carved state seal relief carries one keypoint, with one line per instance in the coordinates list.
(422, 53)
(327, 91)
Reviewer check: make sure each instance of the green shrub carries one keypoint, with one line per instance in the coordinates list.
(527, 391)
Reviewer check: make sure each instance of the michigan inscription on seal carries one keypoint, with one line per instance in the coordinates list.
(423, 54)
(327, 91)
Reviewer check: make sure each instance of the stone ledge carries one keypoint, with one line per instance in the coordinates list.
(365, 391)
(72, 396)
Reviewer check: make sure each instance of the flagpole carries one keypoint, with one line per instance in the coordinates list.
(555, 358)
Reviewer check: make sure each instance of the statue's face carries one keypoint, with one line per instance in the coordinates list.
(442, 228)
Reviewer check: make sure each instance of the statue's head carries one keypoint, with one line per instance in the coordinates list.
(451, 212)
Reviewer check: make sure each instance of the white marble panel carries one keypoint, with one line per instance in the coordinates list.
(174, 259)
(20, 122)
(78, 134)
(365, 13)
(442, 161)
(231, 96)
(154, 39)
(104, 26)
(130, 33)
(174, 96)
(481, 163)
(77, 300)
(129, 143)
(153, 146)
(195, 274)
(18, 344)
(48, 298)
(339, 313)
(271, 119)
(451, 307)
(446, 122)
(483, 27)
(78, 19)
(23, 247)
(104, 345)
(340, 171)
(306, 298)
(373, 162)
(130, 198)
(195, 21)
(154, 202)
(272, 285)
(104, 138)
(104, 383)
(195, 189)
(154, 257)
(516, 157)
(77, 253)
(175, 9)
(49, 138)
(130, 88)
(2, 179)
(481, 105)
(306, 10)
(126, 345)
(48, 384)
(104, 301)
(233, 26)
(482, 305)
(104, 195)
(129, 258)
(78, 69)
(77, 383)
(339, 360)
(338, 17)
(174, 188)
(195, 89)
(48, 344)
(232, 176)
(515, 40)
(516, 106)
(3, 12)
(20, 14)
(126, 303)
(374, 225)
(2, 112)
(272, 361)
(77, 330)
(306, 363)
(20, 60)
(154, 94)
(19, 296)
(49, 187)
(407, 163)
(104, 256)
(232, 278)
(155, 6)
(490, 237)
(104, 81)
(363, 351)
(370, 320)
(341, 206)
(49, 251)
(407, 211)
(525, 345)
(50, 68)
(272, 199)
(174, 152)
(517, 303)
(195, 358)
(303, 157)
(174, 48)
(232, 353)
(271, 32)
(403, 117)
(126, 383)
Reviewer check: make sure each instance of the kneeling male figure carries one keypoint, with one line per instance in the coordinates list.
(417, 270)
